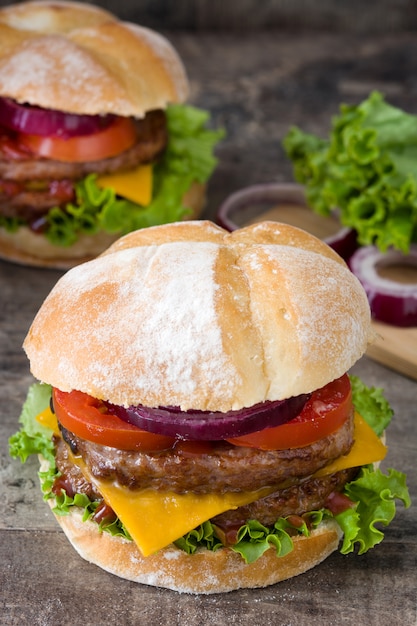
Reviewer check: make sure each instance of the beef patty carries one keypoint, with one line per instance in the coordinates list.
(297, 491)
(224, 468)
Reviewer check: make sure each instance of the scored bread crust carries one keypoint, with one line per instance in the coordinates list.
(203, 572)
(189, 315)
(25, 247)
(77, 58)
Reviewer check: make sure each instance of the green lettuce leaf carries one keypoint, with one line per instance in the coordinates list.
(366, 168)
(189, 157)
(375, 494)
(33, 438)
(202, 536)
(371, 404)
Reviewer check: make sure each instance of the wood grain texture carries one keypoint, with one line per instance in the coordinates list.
(255, 86)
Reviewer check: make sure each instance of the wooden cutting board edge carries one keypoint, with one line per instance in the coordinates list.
(396, 348)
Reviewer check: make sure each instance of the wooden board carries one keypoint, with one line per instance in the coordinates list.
(394, 347)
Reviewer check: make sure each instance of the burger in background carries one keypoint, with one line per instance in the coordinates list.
(95, 138)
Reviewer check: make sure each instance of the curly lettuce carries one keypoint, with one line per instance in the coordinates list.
(373, 493)
(366, 168)
(188, 157)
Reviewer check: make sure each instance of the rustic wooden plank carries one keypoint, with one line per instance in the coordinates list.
(53, 587)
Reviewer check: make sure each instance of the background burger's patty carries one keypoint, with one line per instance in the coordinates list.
(225, 468)
(151, 140)
(28, 205)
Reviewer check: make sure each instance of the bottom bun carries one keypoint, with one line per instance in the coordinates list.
(28, 248)
(203, 572)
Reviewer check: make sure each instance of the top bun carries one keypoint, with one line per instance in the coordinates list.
(187, 314)
(77, 58)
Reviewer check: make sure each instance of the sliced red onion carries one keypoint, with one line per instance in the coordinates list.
(390, 301)
(344, 242)
(207, 425)
(239, 207)
(34, 120)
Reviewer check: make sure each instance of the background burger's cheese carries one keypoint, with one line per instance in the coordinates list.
(135, 185)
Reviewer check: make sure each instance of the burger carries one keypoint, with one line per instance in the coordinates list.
(194, 418)
(95, 137)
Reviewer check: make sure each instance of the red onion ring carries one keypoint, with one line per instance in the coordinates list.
(391, 302)
(34, 120)
(208, 425)
(242, 202)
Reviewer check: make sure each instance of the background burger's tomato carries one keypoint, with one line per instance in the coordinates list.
(11, 148)
(87, 418)
(326, 410)
(120, 135)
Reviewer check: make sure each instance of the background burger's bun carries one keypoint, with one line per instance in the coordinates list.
(203, 572)
(29, 248)
(78, 58)
(45, 16)
(187, 314)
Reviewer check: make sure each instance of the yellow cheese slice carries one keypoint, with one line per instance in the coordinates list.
(48, 419)
(155, 519)
(367, 448)
(135, 185)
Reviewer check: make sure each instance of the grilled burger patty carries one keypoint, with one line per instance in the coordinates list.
(224, 468)
(308, 495)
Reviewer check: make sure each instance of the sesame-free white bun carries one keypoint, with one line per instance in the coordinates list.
(203, 572)
(78, 58)
(189, 315)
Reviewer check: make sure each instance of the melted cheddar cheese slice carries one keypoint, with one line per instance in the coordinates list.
(155, 519)
(135, 185)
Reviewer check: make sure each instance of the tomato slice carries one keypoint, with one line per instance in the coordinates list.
(327, 410)
(107, 142)
(88, 418)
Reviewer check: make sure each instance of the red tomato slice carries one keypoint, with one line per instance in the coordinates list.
(325, 412)
(107, 142)
(88, 418)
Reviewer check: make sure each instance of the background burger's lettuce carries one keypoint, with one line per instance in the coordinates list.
(189, 157)
(367, 169)
(373, 493)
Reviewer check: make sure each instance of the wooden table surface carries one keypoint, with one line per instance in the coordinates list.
(256, 86)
